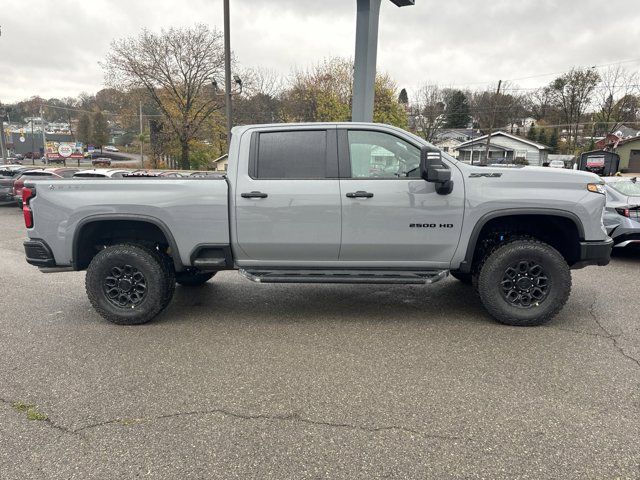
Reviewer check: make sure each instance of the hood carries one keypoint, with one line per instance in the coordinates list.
(537, 174)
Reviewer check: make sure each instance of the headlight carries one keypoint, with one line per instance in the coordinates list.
(596, 188)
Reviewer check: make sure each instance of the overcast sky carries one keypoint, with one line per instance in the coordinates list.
(52, 48)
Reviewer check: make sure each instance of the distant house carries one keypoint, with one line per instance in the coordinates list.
(449, 146)
(461, 134)
(625, 132)
(449, 140)
(629, 151)
(610, 141)
(504, 148)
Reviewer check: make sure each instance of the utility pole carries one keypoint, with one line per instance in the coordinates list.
(227, 70)
(493, 119)
(141, 138)
(44, 140)
(3, 149)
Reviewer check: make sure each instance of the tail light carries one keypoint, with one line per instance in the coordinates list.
(27, 195)
(631, 212)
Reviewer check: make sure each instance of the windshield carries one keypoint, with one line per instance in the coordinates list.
(626, 188)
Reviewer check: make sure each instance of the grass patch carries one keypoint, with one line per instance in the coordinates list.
(31, 410)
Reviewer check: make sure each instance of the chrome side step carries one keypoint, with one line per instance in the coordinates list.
(344, 276)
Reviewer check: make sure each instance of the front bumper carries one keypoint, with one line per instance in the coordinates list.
(594, 253)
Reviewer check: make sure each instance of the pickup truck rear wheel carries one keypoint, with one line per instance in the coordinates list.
(193, 279)
(128, 284)
(524, 282)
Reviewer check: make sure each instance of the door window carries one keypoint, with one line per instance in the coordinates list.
(289, 155)
(381, 155)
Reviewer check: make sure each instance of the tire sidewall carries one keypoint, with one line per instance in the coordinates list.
(155, 298)
(492, 273)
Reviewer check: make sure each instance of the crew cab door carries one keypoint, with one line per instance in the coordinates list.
(287, 197)
(389, 213)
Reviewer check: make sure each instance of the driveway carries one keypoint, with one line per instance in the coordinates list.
(238, 380)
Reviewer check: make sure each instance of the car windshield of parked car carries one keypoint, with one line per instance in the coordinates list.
(626, 188)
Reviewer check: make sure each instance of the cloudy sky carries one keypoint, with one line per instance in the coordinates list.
(52, 48)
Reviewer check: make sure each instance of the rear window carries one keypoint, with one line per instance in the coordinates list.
(38, 174)
(299, 154)
(626, 188)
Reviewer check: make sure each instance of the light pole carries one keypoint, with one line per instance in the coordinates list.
(367, 20)
(227, 70)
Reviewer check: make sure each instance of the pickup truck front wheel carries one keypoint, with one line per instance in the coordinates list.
(193, 279)
(524, 282)
(127, 284)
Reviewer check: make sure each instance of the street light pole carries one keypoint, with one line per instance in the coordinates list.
(141, 138)
(364, 78)
(227, 70)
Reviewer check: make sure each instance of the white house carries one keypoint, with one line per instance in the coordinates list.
(503, 148)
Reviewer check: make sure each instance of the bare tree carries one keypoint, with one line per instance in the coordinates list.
(572, 93)
(427, 111)
(176, 67)
(616, 97)
(497, 109)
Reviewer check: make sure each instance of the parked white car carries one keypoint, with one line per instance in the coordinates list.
(110, 148)
(556, 164)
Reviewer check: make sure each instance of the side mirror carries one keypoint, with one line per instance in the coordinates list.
(433, 170)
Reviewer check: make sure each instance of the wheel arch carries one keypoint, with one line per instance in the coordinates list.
(521, 214)
(150, 228)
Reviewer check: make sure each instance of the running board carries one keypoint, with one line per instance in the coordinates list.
(345, 276)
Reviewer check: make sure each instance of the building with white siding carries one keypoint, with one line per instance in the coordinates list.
(503, 148)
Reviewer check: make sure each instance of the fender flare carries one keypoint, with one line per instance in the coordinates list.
(125, 216)
(465, 265)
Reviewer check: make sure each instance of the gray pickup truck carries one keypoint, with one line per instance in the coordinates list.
(325, 203)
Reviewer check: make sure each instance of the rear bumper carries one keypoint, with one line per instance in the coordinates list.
(38, 253)
(594, 253)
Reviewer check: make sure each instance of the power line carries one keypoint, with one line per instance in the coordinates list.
(620, 62)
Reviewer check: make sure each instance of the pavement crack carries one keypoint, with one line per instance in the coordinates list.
(609, 335)
(294, 417)
(47, 421)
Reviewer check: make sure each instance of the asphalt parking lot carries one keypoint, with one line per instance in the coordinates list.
(237, 380)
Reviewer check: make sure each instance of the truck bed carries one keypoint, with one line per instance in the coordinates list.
(193, 210)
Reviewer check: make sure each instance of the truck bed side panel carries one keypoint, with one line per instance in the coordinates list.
(194, 211)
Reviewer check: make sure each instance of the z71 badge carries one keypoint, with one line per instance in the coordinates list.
(487, 175)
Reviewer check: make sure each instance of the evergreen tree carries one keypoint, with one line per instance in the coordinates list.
(542, 136)
(532, 134)
(100, 135)
(403, 98)
(457, 110)
(84, 129)
(553, 140)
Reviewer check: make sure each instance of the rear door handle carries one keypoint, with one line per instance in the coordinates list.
(254, 194)
(359, 194)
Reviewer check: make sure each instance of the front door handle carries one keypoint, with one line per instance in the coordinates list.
(359, 194)
(254, 194)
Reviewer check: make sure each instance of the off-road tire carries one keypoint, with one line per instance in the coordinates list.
(193, 279)
(158, 280)
(496, 276)
(463, 277)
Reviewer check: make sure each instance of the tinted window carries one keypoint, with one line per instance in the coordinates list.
(381, 155)
(301, 154)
